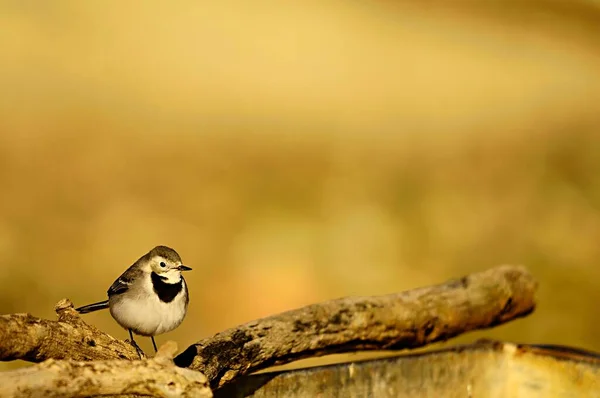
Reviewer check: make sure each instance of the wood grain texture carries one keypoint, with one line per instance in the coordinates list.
(26, 337)
(406, 320)
(486, 369)
(392, 322)
(158, 377)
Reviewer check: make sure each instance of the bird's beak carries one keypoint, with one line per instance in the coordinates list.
(183, 268)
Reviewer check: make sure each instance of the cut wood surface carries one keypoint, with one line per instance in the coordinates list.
(397, 321)
(405, 320)
(157, 377)
(486, 369)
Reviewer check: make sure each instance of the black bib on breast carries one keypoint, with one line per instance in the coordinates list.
(166, 291)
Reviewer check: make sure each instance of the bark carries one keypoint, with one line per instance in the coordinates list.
(392, 322)
(398, 321)
(157, 377)
(26, 337)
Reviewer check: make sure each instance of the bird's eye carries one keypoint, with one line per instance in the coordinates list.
(162, 264)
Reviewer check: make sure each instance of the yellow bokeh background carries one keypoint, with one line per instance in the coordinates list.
(299, 152)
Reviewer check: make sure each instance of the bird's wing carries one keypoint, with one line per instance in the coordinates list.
(121, 285)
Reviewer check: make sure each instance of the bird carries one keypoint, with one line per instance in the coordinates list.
(150, 298)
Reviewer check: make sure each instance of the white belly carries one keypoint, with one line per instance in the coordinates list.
(148, 316)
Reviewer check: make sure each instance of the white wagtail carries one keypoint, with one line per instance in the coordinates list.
(150, 297)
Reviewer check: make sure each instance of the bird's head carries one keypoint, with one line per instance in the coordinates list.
(166, 263)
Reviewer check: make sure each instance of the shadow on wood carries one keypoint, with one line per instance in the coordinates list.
(483, 369)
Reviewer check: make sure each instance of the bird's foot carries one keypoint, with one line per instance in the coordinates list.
(139, 351)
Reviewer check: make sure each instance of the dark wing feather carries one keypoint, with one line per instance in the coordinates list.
(121, 285)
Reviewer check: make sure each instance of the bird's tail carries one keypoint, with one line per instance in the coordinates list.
(92, 307)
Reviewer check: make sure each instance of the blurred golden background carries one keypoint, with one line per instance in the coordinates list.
(294, 153)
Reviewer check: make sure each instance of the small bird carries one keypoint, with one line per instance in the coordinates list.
(150, 297)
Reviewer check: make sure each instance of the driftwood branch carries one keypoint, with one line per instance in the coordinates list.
(398, 321)
(155, 377)
(26, 337)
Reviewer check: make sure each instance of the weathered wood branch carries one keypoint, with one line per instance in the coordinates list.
(405, 320)
(26, 337)
(157, 377)
(397, 321)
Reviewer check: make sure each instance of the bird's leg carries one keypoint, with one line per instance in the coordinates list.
(154, 344)
(137, 348)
